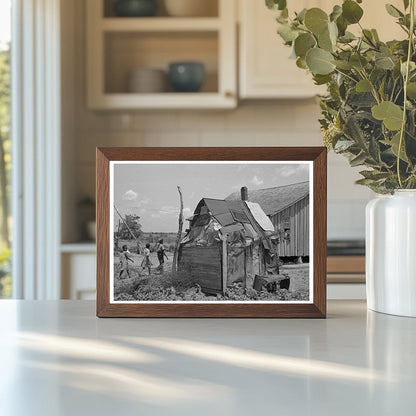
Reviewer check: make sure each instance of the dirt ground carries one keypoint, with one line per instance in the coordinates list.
(164, 285)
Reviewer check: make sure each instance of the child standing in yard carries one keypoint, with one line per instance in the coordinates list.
(146, 263)
(160, 251)
(124, 262)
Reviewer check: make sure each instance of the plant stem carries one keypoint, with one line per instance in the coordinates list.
(406, 80)
(346, 75)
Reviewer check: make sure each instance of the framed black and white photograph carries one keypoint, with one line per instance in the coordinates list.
(224, 232)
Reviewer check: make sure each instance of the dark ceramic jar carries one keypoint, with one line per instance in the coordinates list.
(135, 8)
(186, 76)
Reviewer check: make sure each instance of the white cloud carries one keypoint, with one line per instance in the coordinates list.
(146, 200)
(187, 211)
(169, 209)
(257, 181)
(290, 170)
(130, 195)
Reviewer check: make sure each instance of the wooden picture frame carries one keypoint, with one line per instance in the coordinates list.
(315, 307)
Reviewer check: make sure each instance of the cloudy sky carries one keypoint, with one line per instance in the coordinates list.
(150, 190)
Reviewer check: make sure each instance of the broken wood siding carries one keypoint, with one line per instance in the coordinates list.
(295, 219)
(236, 268)
(204, 266)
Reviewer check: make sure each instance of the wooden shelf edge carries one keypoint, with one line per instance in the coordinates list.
(160, 24)
(87, 247)
(126, 101)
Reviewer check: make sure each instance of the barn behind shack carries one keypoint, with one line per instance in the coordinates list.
(288, 209)
(227, 241)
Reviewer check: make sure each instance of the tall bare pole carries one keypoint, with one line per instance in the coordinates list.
(125, 223)
(179, 235)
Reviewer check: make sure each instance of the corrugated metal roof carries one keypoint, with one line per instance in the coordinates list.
(222, 210)
(273, 200)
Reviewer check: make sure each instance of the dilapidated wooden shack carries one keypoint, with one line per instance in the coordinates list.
(227, 241)
(288, 209)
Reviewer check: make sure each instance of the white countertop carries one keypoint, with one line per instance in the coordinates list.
(57, 358)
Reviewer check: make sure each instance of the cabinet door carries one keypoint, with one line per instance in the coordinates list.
(265, 68)
(78, 276)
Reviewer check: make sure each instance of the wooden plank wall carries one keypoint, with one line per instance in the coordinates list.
(296, 217)
(204, 265)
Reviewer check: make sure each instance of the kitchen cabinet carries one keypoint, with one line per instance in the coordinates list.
(265, 70)
(78, 262)
(118, 45)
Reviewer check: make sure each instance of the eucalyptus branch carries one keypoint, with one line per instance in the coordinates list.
(406, 80)
(346, 75)
(373, 88)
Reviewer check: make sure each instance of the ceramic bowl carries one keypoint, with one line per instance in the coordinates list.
(186, 76)
(135, 8)
(147, 80)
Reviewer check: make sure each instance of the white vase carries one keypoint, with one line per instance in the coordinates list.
(391, 253)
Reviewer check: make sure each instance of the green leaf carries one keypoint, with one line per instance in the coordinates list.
(351, 11)
(333, 32)
(321, 79)
(358, 61)
(276, 4)
(363, 86)
(287, 33)
(303, 43)
(394, 144)
(316, 20)
(384, 62)
(374, 175)
(301, 63)
(368, 36)
(347, 37)
(388, 112)
(412, 67)
(343, 145)
(320, 61)
(358, 160)
(344, 65)
(365, 182)
(393, 11)
(301, 15)
(411, 90)
(375, 35)
(336, 12)
(354, 132)
(325, 42)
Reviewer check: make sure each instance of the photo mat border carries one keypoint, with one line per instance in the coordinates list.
(225, 162)
(315, 308)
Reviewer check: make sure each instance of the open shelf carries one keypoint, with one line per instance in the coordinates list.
(119, 45)
(126, 51)
(210, 6)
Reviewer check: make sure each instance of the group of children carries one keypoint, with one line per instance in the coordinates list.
(124, 259)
